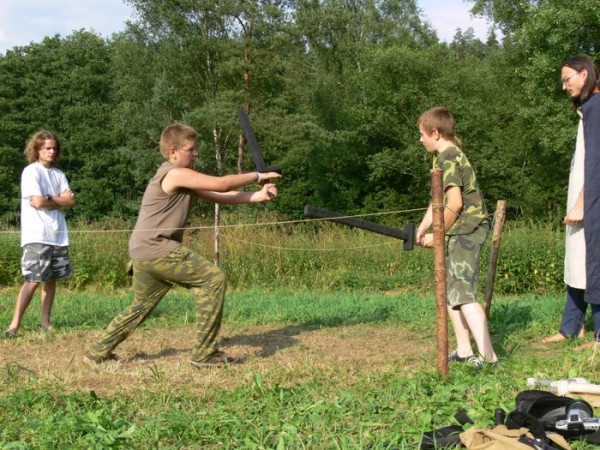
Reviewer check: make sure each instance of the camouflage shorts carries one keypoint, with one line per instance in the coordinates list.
(462, 263)
(43, 262)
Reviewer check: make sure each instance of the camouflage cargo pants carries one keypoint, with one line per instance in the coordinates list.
(152, 279)
(462, 263)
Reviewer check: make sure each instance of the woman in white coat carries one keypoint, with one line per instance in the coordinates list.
(580, 77)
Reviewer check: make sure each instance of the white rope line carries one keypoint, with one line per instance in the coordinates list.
(240, 225)
(312, 249)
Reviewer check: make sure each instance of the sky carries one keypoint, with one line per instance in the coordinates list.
(25, 21)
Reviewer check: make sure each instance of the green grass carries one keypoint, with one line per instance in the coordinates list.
(262, 413)
(311, 276)
(301, 256)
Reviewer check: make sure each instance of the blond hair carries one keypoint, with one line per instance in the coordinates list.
(37, 141)
(441, 119)
(176, 135)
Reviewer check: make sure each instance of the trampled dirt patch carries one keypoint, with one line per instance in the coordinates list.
(158, 359)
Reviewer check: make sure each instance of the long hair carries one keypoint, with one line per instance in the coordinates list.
(176, 135)
(32, 150)
(441, 119)
(592, 83)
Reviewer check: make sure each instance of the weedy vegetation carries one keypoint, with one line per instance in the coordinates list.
(336, 328)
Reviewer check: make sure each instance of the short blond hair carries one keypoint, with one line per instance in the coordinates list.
(441, 119)
(36, 142)
(176, 135)
(438, 118)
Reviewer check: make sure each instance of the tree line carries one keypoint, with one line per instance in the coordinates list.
(333, 89)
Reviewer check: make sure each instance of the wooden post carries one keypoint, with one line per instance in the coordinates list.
(496, 239)
(439, 262)
(217, 235)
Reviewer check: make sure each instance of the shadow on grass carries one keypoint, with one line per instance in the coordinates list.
(163, 353)
(269, 342)
(507, 319)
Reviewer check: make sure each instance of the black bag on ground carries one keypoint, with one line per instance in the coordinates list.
(447, 436)
(566, 416)
(537, 411)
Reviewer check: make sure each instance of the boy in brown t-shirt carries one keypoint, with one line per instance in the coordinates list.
(159, 258)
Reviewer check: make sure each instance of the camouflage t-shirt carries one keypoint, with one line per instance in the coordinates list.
(457, 171)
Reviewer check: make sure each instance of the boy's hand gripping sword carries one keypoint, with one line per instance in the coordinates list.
(257, 156)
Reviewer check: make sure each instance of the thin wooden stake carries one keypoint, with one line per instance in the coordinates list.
(217, 235)
(496, 239)
(439, 262)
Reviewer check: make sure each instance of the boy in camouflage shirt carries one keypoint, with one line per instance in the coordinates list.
(467, 227)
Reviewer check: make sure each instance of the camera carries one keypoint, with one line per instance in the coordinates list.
(579, 419)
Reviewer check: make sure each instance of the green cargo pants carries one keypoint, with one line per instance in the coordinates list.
(152, 279)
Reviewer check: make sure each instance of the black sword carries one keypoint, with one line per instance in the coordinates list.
(257, 156)
(407, 235)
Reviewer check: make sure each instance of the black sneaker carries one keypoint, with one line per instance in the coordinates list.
(454, 357)
(217, 359)
(474, 361)
(471, 360)
(90, 358)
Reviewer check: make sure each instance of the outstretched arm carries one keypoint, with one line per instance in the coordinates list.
(268, 192)
(185, 178)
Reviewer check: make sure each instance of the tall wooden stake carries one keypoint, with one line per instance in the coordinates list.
(217, 236)
(439, 262)
(219, 159)
(496, 239)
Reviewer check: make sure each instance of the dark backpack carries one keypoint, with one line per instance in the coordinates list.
(538, 411)
(447, 436)
(541, 411)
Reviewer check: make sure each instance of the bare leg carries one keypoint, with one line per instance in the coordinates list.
(573, 317)
(48, 291)
(475, 317)
(595, 344)
(461, 331)
(559, 337)
(23, 300)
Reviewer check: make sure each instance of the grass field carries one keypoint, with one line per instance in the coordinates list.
(264, 253)
(336, 369)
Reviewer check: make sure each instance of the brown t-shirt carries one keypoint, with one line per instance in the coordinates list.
(160, 224)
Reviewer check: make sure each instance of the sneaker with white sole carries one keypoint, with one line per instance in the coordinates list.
(474, 361)
(453, 356)
(471, 360)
